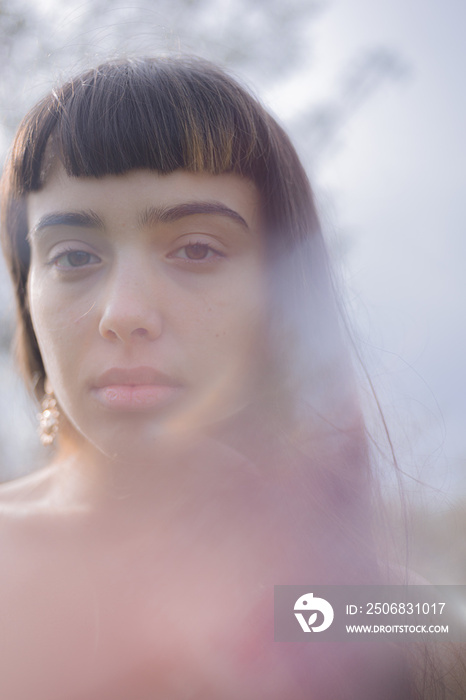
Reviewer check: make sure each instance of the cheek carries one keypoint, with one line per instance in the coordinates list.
(229, 327)
(59, 324)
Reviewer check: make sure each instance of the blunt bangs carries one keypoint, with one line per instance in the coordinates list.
(144, 114)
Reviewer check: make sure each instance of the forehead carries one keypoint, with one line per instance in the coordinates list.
(126, 196)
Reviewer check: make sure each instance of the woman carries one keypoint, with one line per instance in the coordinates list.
(177, 323)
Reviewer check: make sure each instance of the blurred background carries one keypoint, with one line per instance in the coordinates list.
(373, 95)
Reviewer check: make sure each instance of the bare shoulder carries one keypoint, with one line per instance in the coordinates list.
(25, 492)
(23, 504)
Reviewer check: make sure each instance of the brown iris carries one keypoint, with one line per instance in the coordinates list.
(197, 251)
(76, 258)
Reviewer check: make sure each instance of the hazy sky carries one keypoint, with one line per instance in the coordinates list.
(396, 180)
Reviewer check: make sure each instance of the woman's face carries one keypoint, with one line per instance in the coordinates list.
(147, 295)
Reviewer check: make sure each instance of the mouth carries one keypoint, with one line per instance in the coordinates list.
(135, 389)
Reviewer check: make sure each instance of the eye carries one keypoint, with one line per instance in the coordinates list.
(197, 252)
(73, 259)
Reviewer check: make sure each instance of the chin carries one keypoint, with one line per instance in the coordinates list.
(138, 436)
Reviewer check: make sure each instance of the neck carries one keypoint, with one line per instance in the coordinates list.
(196, 467)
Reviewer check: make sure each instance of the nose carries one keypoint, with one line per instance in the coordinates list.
(131, 310)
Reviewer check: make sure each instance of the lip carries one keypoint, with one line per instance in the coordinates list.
(134, 389)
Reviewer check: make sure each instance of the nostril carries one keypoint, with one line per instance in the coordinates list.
(108, 333)
(140, 332)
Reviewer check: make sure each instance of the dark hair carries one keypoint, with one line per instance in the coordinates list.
(165, 114)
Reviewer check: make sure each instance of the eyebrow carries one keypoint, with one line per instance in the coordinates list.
(152, 216)
(83, 219)
(155, 215)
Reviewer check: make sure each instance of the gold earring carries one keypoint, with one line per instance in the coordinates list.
(48, 418)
